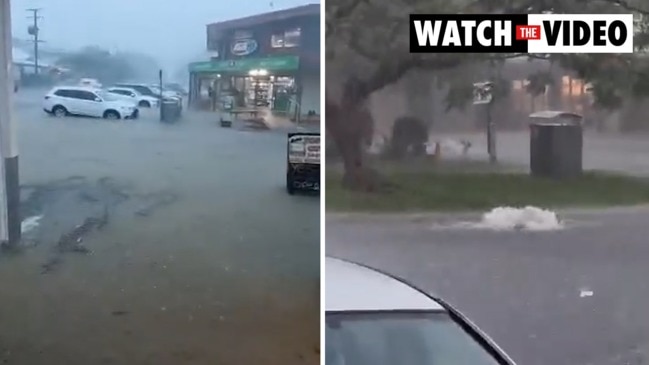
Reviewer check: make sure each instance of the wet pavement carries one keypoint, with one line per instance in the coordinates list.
(574, 296)
(148, 243)
(623, 153)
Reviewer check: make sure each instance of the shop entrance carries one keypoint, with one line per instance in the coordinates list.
(278, 93)
(265, 83)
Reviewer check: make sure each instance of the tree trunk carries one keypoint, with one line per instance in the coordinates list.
(347, 128)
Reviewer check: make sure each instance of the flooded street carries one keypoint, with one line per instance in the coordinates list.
(190, 250)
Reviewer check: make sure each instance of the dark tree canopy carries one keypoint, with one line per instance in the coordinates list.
(97, 63)
(376, 30)
(367, 49)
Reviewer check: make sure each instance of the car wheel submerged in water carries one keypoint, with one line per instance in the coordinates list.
(111, 115)
(59, 111)
(144, 104)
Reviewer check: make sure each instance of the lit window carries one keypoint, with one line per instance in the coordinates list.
(277, 40)
(292, 37)
(288, 39)
(576, 87)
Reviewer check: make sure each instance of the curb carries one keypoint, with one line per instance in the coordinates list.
(348, 217)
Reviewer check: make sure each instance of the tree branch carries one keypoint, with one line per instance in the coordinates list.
(625, 4)
(392, 70)
(340, 12)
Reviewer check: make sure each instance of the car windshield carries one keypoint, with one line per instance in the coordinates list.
(394, 338)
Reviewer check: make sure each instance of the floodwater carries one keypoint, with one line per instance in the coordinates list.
(201, 257)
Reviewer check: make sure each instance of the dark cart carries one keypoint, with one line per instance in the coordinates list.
(303, 162)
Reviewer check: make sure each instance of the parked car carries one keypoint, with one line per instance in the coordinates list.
(143, 89)
(83, 101)
(143, 101)
(374, 318)
(166, 94)
(177, 88)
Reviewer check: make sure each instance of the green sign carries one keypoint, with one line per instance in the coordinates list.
(283, 63)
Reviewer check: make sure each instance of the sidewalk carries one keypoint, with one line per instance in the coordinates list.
(611, 152)
(274, 121)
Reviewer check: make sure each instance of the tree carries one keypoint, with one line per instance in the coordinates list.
(98, 63)
(143, 67)
(367, 50)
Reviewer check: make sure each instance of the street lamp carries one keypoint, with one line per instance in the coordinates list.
(10, 229)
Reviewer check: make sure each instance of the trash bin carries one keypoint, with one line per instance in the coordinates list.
(226, 108)
(170, 111)
(556, 149)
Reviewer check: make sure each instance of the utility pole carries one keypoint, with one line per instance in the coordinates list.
(10, 221)
(483, 95)
(33, 30)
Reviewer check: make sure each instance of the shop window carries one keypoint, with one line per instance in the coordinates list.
(277, 41)
(292, 37)
(287, 39)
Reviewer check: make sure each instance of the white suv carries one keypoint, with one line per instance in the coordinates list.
(85, 101)
(126, 93)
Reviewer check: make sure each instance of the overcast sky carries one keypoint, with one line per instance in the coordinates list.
(173, 31)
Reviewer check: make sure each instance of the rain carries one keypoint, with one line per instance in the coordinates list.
(158, 236)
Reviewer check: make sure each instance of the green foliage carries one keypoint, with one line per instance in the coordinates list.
(458, 95)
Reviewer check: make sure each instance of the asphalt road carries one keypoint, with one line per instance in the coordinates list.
(204, 258)
(529, 291)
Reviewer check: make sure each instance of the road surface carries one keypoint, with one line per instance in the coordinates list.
(576, 296)
(193, 252)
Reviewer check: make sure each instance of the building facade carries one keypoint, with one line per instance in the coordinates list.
(269, 60)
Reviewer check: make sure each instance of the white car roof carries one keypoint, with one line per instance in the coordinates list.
(81, 88)
(352, 287)
(123, 88)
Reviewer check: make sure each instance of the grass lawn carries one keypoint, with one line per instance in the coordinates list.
(444, 188)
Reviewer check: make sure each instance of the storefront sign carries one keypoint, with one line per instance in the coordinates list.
(244, 47)
(243, 66)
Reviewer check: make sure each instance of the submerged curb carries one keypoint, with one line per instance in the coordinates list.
(471, 215)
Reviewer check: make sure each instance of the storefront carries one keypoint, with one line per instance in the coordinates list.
(272, 82)
(269, 61)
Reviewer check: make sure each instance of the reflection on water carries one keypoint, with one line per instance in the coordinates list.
(203, 258)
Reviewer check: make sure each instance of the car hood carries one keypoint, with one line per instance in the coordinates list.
(121, 104)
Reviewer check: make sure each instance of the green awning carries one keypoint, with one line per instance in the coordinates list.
(283, 63)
